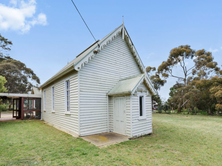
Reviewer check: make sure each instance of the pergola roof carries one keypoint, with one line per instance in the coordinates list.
(16, 95)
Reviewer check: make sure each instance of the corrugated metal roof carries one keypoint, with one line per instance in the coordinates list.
(126, 86)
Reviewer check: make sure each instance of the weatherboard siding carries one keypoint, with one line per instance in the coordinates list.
(96, 79)
(128, 116)
(141, 126)
(111, 105)
(59, 118)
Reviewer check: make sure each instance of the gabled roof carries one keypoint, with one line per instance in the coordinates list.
(36, 91)
(127, 85)
(89, 53)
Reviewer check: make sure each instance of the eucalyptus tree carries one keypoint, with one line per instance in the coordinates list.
(5, 45)
(20, 79)
(216, 91)
(203, 66)
(207, 99)
(156, 81)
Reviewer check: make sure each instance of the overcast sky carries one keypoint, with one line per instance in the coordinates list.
(48, 34)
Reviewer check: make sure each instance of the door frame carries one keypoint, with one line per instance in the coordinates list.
(16, 113)
(114, 115)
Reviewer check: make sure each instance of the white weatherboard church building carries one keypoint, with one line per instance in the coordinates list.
(105, 89)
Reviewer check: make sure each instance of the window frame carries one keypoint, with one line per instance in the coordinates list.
(53, 97)
(66, 97)
(143, 105)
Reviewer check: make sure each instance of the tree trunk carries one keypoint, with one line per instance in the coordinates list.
(179, 110)
(179, 107)
(218, 112)
(209, 111)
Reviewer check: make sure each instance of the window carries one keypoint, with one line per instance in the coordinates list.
(67, 84)
(142, 109)
(31, 104)
(141, 105)
(53, 99)
(32, 108)
(44, 98)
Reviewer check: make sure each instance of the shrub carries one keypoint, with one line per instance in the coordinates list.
(168, 111)
(3, 107)
(159, 110)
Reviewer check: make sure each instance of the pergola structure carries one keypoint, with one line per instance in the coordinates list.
(25, 106)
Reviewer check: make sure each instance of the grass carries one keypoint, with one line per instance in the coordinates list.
(177, 140)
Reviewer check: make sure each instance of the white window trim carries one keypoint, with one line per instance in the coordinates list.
(143, 106)
(53, 98)
(66, 111)
(44, 100)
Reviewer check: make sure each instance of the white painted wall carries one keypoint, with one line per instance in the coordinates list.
(60, 119)
(96, 78)
(143, 126)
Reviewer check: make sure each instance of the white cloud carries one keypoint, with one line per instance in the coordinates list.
(13, 2)
(20, 16)
(213, 50)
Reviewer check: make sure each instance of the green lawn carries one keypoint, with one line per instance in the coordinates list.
(177, 140)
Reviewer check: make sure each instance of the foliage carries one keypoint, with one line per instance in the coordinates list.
(2, 107)
(195, 88)
(20, 79)
(216, 92)
(157, 83)
(2, 83)
(5, 45)
(203, 64)
(155, 78)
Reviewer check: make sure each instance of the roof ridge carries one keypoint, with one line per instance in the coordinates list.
(87, 48)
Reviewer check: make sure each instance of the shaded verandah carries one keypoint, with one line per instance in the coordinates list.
(25, 106)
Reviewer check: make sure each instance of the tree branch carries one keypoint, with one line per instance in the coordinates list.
(191, 68)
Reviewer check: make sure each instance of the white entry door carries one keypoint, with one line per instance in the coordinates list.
(119, 115)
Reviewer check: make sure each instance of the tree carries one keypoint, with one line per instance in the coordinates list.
(192, 97)
(5, 45)
(209, 88)
(203, 67)
(203, 64)
(155, 78)
(2, 82)
(20, 79)
(216, 92)
(176, 95)
(157, 83)
(2, 89)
